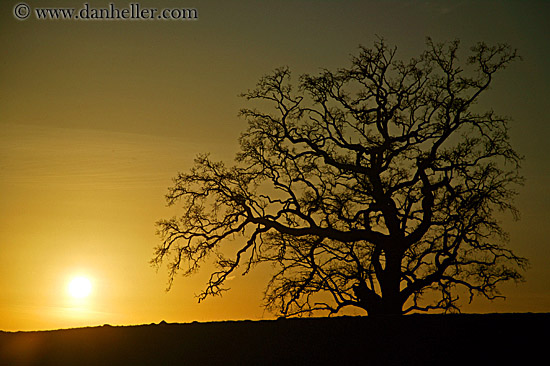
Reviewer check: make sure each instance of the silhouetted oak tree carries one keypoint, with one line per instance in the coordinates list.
(375, 185)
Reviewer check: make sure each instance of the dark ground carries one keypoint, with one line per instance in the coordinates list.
(489, 339)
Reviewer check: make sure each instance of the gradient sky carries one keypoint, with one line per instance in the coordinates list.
(96, 118)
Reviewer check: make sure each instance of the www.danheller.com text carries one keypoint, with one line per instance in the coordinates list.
(134, 11)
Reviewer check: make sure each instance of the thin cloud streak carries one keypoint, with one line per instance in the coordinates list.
(88, 158)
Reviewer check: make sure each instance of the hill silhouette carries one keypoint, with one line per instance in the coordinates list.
(465, 339)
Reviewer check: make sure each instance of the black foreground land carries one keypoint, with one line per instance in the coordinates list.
(464, 339)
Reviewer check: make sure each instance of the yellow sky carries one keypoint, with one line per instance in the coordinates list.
(96, 117)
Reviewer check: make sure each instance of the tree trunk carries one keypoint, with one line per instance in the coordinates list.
(391, 303)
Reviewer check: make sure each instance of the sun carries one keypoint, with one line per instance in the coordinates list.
(80, 287)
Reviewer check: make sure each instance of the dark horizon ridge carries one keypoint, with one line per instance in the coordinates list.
(418, 339)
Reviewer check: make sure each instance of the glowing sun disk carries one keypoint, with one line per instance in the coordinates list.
(80, 287)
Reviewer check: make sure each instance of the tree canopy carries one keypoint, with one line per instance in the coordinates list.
(371, 186)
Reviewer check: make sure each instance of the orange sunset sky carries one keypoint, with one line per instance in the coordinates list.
(96, 117)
